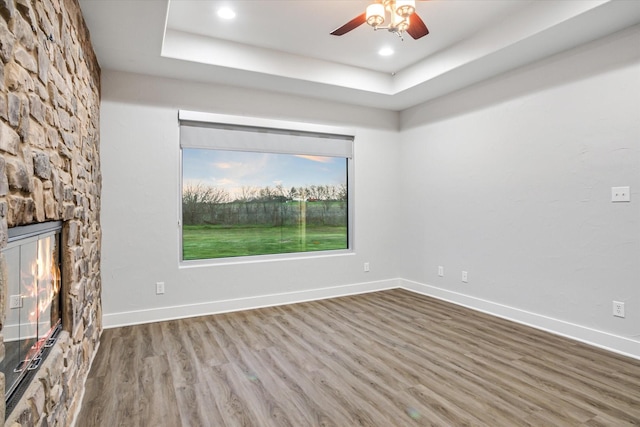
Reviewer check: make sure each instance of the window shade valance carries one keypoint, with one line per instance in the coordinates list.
(195, 134)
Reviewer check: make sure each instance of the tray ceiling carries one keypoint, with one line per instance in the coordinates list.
(285, 46)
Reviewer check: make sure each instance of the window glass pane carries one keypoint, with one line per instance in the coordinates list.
(242, 203)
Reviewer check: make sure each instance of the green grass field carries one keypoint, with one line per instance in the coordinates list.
(207, 241)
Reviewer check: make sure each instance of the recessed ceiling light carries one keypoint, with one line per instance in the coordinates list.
(385, 51)
(226, 13)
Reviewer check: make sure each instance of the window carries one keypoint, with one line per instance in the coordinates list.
(256, 188)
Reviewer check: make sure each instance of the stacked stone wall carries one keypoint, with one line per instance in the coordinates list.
(50, 170)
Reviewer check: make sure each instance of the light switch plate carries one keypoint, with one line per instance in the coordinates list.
(620, 194)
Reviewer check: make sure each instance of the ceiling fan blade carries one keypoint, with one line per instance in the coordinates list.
(417, 28)
(351, 25)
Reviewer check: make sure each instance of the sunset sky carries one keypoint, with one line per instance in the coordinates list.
(235, 169)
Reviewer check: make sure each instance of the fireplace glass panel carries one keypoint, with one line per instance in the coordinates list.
(32, 262)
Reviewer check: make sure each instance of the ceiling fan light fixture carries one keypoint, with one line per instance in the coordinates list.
(402, 19)
(405, 8)
(375, 14)
(402, 25)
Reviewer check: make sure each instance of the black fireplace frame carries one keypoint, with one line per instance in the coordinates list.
(31, 367)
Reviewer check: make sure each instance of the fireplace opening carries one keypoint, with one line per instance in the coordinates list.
(33, 303)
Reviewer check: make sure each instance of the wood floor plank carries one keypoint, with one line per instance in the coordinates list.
(102, 359)
(232, 405)
(212, 353)
(391, 358)
(258, 400)
(184, 370)
(345, 362)
(325, 410)
(328, 375)
(295, 406)
(196, 405)
(96, 411)
(157, 399)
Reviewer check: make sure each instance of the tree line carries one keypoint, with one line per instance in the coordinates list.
(277, 206)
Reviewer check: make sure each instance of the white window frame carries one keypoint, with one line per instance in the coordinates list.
(186, 117)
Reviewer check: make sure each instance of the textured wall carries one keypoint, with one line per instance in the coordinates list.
(510, 180)
(50, 170)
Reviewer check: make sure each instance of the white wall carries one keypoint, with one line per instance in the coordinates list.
(140, 203)
(511, 181)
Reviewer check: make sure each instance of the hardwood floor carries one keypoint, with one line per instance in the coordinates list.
(389, 358)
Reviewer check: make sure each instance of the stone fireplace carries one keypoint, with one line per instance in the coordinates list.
(49, 174)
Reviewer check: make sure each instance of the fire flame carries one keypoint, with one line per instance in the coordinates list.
(41, 287)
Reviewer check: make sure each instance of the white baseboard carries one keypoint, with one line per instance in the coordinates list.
(160, 314)
(607, 341)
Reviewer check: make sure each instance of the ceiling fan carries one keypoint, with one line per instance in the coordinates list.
(402, 18)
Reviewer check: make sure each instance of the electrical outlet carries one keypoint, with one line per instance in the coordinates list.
(465, 277)
(618, 309)
(159, 288)
(366, 266)
(15, 301)
(440, 271)
(620, 194)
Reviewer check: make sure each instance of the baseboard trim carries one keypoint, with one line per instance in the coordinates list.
(160, 314)
(604, 340)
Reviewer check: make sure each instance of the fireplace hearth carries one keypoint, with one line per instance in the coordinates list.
(33, 303)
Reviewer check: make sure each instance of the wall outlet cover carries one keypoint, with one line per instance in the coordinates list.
(620, 194)
(618, 309)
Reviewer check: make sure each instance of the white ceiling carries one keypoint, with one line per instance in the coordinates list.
(285, 45)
